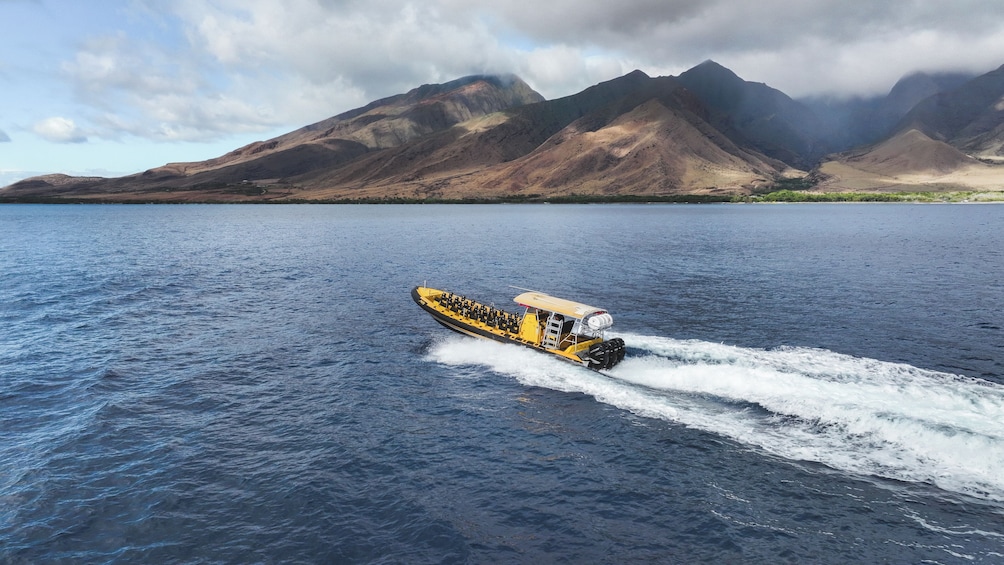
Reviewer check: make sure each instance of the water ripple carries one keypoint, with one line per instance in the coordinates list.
(252, 384)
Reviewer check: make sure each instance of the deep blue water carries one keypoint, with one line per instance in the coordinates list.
(235, 384)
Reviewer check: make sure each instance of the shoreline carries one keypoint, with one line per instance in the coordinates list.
(778, 197)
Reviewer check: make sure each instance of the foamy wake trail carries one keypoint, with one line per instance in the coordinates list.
(857, 415)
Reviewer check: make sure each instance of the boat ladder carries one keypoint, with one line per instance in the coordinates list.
(552, 332)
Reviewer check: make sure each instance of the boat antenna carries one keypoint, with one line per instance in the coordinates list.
(521, 288)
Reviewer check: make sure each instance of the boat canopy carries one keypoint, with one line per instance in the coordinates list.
(543, 301)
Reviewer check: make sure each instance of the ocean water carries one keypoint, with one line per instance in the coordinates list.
(252, 384)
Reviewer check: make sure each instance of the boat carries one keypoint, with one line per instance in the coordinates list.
(569, 330)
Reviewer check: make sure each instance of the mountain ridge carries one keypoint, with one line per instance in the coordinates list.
(707, 131)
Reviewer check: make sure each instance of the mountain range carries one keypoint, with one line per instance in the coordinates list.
(706, 132)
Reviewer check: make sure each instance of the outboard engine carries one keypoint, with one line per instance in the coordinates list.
(606, 354)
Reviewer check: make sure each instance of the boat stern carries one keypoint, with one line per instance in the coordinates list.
(604, 355)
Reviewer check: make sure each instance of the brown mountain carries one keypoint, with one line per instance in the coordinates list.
(757, 115)
(911, 152)
(705, 132)
(970, 116)
(484, 137)
(631, 135)
(328, 144)
(657, 147)
(950, 140)
(909, 160)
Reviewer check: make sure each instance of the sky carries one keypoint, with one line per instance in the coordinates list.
(115, 87)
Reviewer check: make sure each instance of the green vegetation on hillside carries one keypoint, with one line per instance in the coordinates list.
(532, 199)
(793, 196)
(786, 195)
(790, 184)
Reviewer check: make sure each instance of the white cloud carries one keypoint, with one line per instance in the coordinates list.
(564, 69)
(823, 46)
(59, 130)
(255, 65)
(4, 138)
(382, 47)
(219, 67)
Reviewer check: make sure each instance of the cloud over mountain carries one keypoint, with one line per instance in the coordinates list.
(213, 67)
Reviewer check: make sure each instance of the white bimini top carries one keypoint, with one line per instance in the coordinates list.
(593, 318)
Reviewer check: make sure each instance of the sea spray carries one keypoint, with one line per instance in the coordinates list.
(857, 415)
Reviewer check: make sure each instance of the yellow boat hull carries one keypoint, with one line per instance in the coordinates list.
(472, 318)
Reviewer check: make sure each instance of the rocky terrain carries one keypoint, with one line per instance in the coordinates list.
(707, 133)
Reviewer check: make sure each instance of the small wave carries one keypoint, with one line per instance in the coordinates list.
(853, 414)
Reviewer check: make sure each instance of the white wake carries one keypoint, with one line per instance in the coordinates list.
(852, 414)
